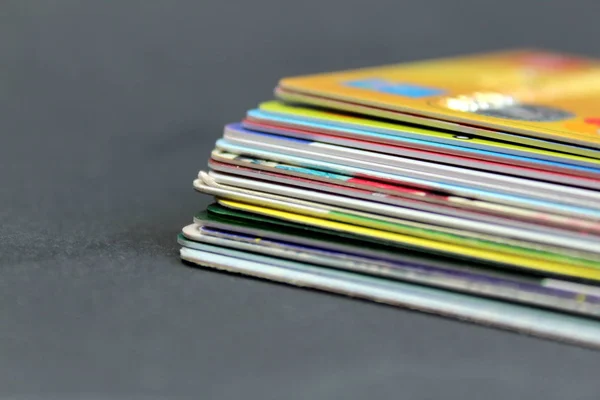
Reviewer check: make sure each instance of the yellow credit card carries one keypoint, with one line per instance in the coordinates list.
(539, 98)
(520, 261)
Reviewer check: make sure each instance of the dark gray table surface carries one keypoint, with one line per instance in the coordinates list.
(107, 112)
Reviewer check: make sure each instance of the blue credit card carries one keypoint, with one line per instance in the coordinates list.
(482, 171)
(478, 149)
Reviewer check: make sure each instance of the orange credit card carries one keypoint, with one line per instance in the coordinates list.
(542, 99)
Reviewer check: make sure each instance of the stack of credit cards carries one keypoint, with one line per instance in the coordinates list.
(467, 187)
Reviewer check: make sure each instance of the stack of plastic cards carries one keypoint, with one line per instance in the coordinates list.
(466, 187)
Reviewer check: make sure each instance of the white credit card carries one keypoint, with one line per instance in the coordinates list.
(528, 320)
(536, 202)
(424, 219)
(477, 281)
(275, 170)
(447, 205)
(412, 168)
(540, 171)
(414, 235)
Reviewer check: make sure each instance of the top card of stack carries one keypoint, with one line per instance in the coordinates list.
(540, 99)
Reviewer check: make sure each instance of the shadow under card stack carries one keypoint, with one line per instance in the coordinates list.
(467, 187)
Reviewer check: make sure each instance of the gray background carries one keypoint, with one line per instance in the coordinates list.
(107, 111)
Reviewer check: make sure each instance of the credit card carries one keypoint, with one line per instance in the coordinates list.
(218, 216)
(425, 169)
(432, 185)
(527, 320)
(392, 194)
(543, 170)
(510, 287)
(425, 219)
(542, 99)
(414, 238)
(223, 218)
(326, 121)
